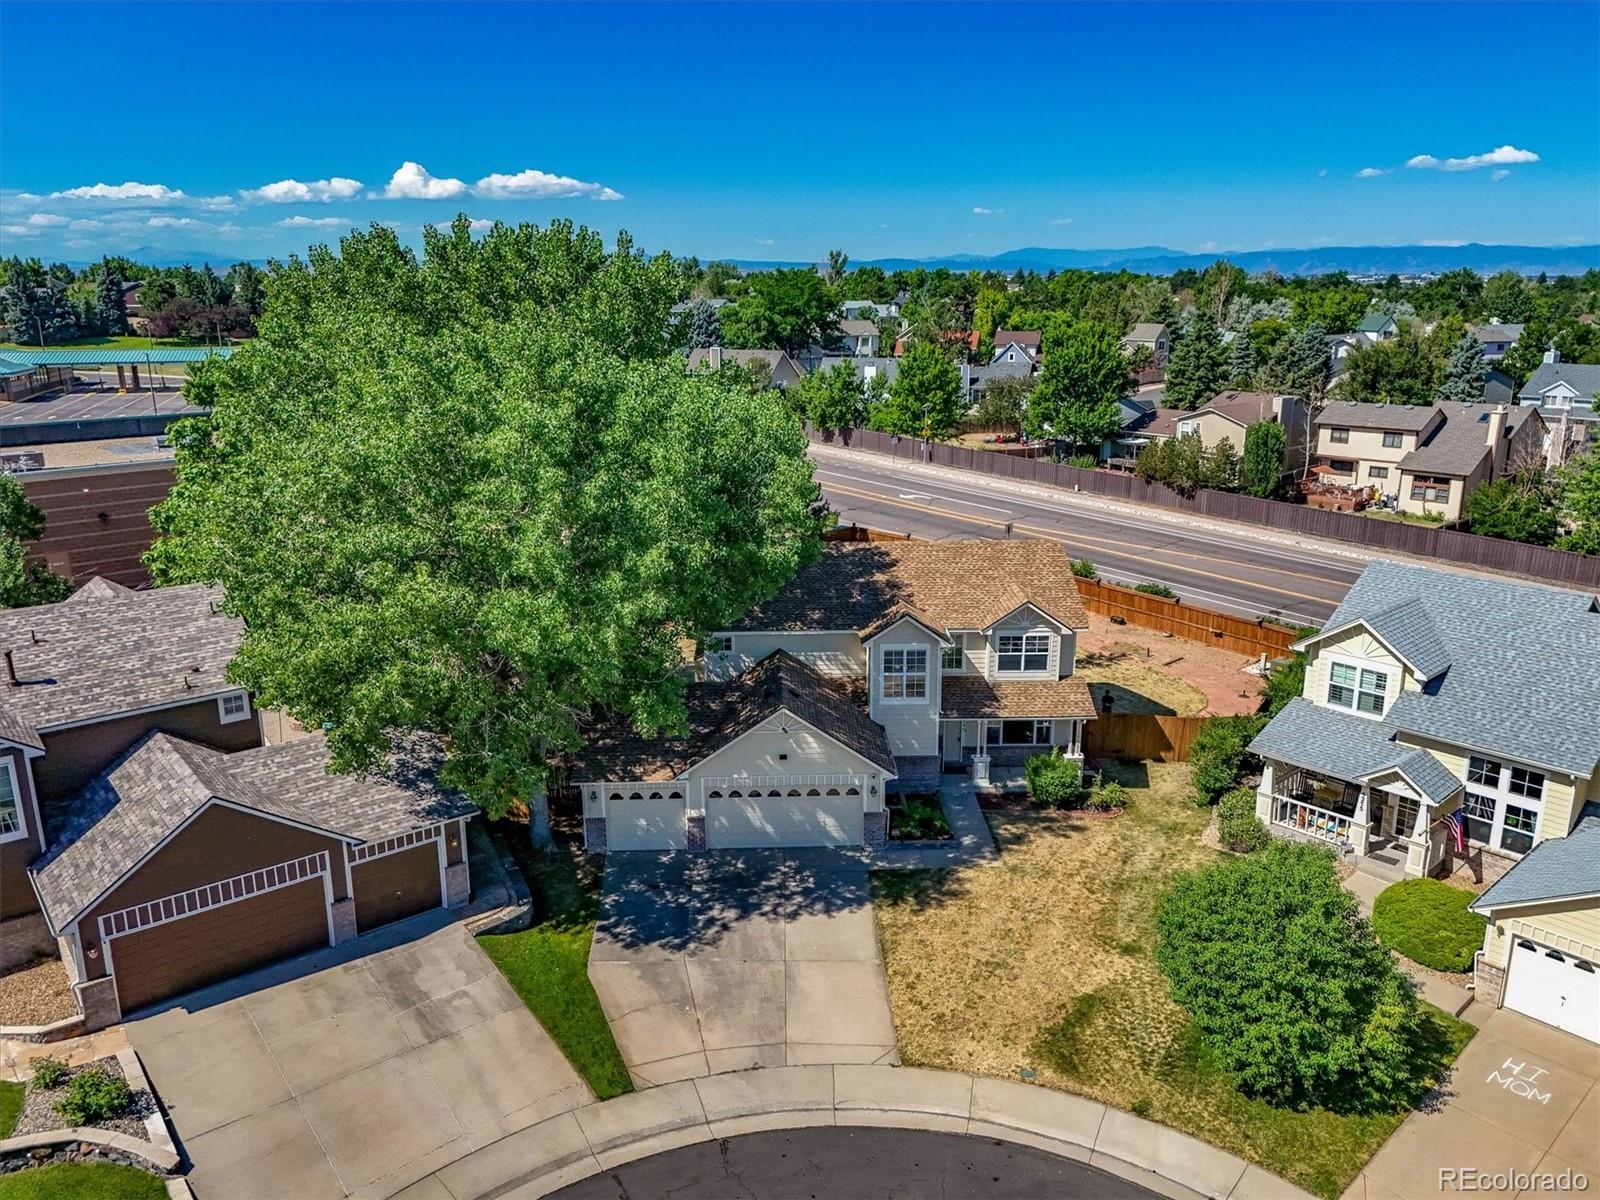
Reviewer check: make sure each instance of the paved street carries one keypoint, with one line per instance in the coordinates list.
(740, 958)
(855, 1163)
(1232, 572)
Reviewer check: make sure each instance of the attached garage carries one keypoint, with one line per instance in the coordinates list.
(397, 885)
(783, 817)
(1555, 987)
(647, 819)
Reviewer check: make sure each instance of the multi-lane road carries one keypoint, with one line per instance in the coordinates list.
(1216, 567)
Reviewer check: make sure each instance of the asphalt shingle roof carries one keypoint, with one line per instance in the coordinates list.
(1353, 414)
(720, 712)
(106, 650)
(972, 696)
(1583, 377)
(1555, 868)
(1459, 445)
(958, 585)
(1349, 747)
(1409, 631)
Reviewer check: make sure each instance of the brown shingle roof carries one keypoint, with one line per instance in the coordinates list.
(972, 696)
(720, 712)
(958, 585)
(1247, 408)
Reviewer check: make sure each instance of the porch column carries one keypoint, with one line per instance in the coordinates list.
(1419, 849)
(1360, 829)
(1264, 792)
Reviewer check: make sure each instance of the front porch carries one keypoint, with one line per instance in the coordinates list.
(1392, 832)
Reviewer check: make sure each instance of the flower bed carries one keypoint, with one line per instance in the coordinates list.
(39, 1113)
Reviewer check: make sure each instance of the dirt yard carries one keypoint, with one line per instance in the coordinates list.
(1151, 672)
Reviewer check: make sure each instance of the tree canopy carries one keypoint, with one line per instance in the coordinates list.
(474, 494)
(831, 398)
(24, 581)
(1198, 367)
(925, 395)
(1265, 456)
(787, 309)
(1081, 384)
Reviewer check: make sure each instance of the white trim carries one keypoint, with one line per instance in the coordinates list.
(1478, 906)
(21, 832)
(691, 775)
(940, 635)
(1022, 672)
(164, 910)
(928, 673)
(1359, 665)
(27, 750)
(1054, 620)
(1303, 643)
(394, 844)
(223, 717)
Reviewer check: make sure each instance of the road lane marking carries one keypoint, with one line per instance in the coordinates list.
(950, 500)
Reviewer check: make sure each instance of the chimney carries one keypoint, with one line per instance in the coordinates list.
(1552, 355)
(11, 669)
(1497, 425)
(714, 357)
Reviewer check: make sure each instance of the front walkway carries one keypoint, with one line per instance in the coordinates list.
(1523, 1097)
(1366, 887)
(601, 1137)
(971, 842)
(731, 959)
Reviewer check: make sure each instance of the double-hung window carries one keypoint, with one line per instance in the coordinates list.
(905, 673)
(1392, 441)
(1341, 436)
(950, 658)
(1360, 688)
(10, 803)
(1023, 652)
(1479, 817)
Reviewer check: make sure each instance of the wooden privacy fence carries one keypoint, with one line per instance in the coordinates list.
(1141, 736)
(1423, 541)
(1237, 634)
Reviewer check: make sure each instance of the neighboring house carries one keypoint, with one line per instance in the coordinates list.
(1016, 345)
(1150, 335)
(1435, 699)
(1230, 415)
(868, 310)
(786, 373)
(875, 668)
(1144, 420)
(149, 838)
(867, 369)
(859, 337)
(1377, 327)
(1020, 367)
(1495, 339)
(1564, 394)
(1426, 457)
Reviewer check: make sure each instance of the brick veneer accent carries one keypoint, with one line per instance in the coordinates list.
(916, 774)
(594, 835)
(1484, 866)
(1490, 982)
(97, 1000)
(695, 831)
(874, 829)
(23, 939)
(457, 884)
(344, 920)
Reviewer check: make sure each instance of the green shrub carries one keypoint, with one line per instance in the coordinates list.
(1084, 569)
(917, 817)
(48, 1072)
(1156, 589)
(1087, 461)
(1107, 795)
(1427, 921)
(1218, 758)
(1238, 827)
(1053, 780)
(1288, 986)
(92, 1096)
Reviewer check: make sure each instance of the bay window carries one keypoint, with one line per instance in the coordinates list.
(1023, 652)
(905, 673)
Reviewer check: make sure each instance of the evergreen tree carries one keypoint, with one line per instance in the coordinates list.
(110, 308)
(1242, 361)
(702, 327)
(1465, 372)
(925, 396)
(1265, 452)
(1198, 367)
(1222, 467)
(248, 293)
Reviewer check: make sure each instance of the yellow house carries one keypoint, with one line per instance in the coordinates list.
(1449, 721)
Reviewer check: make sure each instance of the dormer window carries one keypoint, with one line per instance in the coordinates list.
(1360, 688)
(905, 673)
(235, 706)
(1023, 652)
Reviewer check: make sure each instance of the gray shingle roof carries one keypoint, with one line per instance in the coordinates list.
(1145, 331)
(105, 651)
(1409, 631)
(1495, 333)
(1583, 377)
(1459, 445)
(1353, 414)
(143, 797)
(1523, 661)
(1375, 323)
(1349, 747)
(1555, 868)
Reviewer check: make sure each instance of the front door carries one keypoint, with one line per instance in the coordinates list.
(1376, 812)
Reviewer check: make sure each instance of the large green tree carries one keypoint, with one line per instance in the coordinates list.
(1265, 456)
(475, 494)
(831, 399)
(24, 581)
(787, 309)
(1580, 501)
(1506, 299)
(1197, 369)
(111, 309)
(1398, 371)
(1081, 384)
(926, 397)
(1519, 507)
(1465, 372)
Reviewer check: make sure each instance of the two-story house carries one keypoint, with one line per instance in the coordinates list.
(1230, 414)
(1496, 338)
(151, 839)
(1447, 721)
(859, 337)
(1150, 336)
(876, 668)
(1017, 346)
(1567, 396)
(1426, 458)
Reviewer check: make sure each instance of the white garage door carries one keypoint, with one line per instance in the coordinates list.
(783, 817)
(1556, 988)
(646, 820)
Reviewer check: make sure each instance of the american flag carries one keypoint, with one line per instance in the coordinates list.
(1458, 830)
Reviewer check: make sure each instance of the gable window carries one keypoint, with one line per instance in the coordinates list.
(1358, 688)
(950, 658)
(1341, 436)
(905, 673)
(1023, 652)
(235, 706)
(1020, 733)
(1392, 441)
(10, 804)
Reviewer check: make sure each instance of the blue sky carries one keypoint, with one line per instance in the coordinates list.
(780, 131)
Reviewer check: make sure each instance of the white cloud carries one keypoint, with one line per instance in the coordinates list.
(539, 185)
(979, 210)
(1322, 174)
(303, 222)
(1497, 176)
(145, 193)
(478, 225)
(766, 241)
(45, 220)
(1501, 156)
(412, 182)
(293, 191)
(1443, 242)
(19, 230)
(172, 222)
(1062, 221)
(1370, 172)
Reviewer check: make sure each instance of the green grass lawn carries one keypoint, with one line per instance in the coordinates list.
(1043, 967)
(123, 342)
(548, 964)
(82, 1181)
(11, 1097)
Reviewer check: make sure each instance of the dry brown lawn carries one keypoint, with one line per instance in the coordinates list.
(1137, 688)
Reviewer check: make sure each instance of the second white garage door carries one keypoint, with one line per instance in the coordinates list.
(793, 818)
(1556, 988)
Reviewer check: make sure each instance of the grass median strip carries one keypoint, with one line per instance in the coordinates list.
(82, 1181)
(548, 964)
(11, 1097)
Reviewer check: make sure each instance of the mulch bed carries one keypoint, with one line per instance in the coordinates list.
(39, 1113)
(37, 994)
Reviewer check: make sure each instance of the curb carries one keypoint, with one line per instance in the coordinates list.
(161, 1160)
(600, 1137)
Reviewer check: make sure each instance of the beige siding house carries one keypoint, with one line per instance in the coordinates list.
(1447, 723)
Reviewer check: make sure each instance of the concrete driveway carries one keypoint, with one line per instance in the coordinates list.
(1522, 1099)
(733, 959)
(352, 1071)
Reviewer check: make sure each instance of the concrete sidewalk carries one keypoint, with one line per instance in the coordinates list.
(971, 843)
(1451, 998)
(599, 1137)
